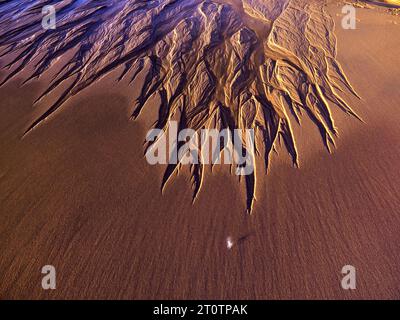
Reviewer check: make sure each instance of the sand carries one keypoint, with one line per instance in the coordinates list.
(77, 193)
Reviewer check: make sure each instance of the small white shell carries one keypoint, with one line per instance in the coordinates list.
(229, 243)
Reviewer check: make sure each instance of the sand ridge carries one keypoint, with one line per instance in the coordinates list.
(77, 193)
(213, 64)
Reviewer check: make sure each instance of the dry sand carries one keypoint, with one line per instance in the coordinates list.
(77, 193)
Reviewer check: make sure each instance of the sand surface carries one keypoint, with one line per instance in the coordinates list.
(77, 193)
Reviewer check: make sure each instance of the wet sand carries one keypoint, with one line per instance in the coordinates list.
(78, 194)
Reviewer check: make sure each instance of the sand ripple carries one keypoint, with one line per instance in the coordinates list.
(216, 64)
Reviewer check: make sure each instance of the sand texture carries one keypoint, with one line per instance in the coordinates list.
(76, 191)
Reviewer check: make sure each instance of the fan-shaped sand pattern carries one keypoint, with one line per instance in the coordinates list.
(217, 64)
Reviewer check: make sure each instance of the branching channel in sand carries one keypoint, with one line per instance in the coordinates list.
(247, 64)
